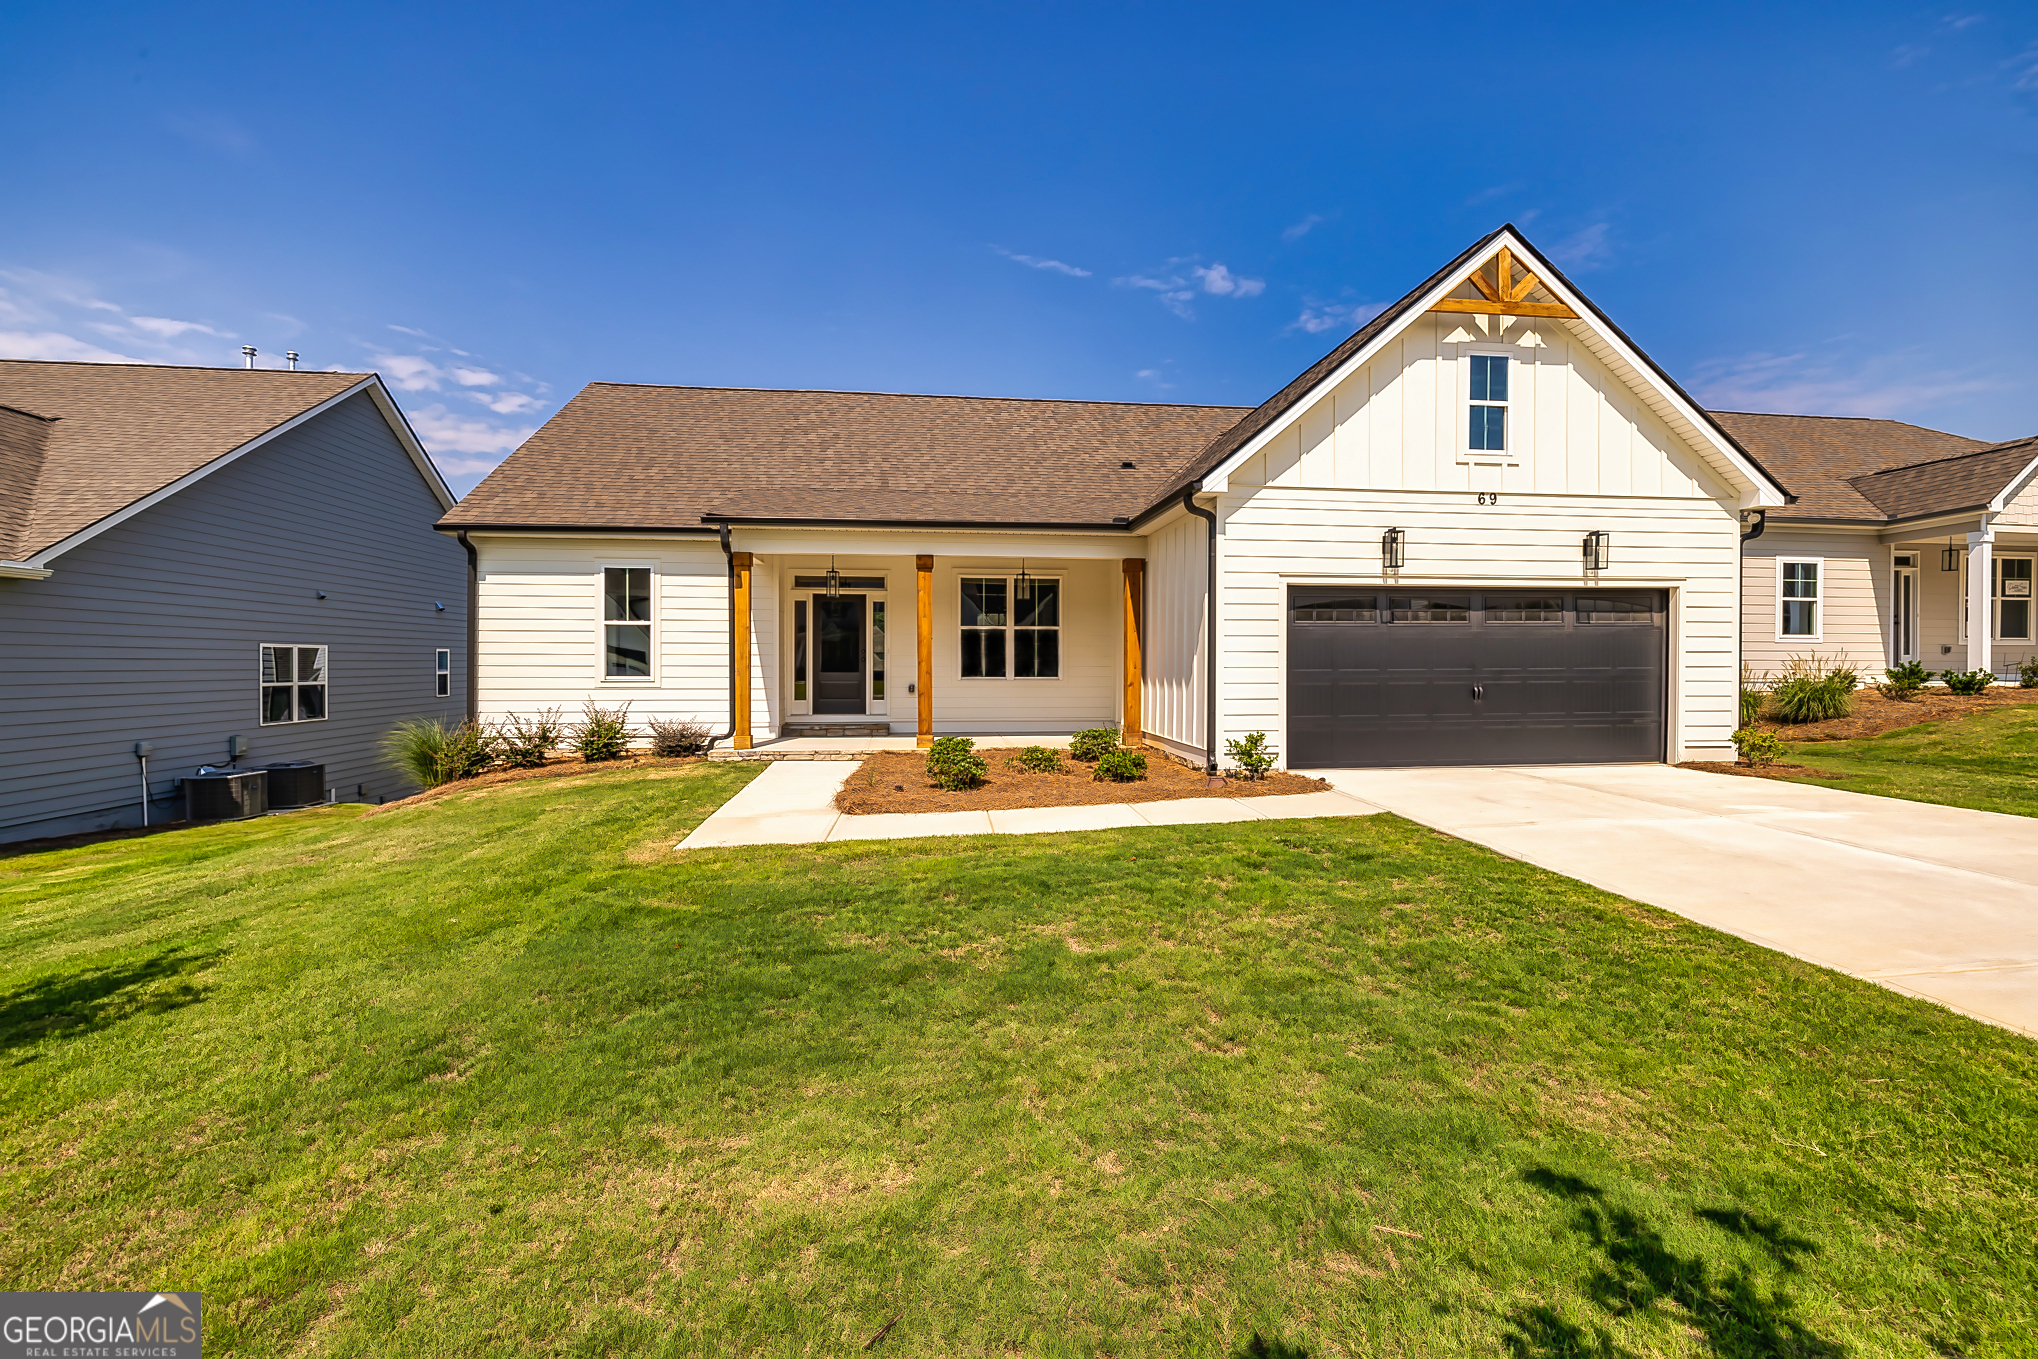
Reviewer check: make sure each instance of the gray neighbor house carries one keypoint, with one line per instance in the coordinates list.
(211, 561)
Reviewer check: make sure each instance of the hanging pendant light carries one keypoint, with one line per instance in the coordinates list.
(834, 579)
(1949, 560)
(1022, 584)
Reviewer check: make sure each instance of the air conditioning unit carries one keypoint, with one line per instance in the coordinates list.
(226, 794)
(296, 783)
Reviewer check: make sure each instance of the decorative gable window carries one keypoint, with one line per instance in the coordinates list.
(1489, 403)
(1798, 583)
(1011, 619)
(293, 684)
(626, 622)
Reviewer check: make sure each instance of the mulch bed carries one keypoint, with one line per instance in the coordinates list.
(1760, 771)
(896, 781)
(1874, 714)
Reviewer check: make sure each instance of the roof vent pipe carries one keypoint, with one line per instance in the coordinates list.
(248, 353)
(291, 356)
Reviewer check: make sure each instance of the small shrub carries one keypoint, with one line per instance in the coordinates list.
(601, 733)
(674, 736)
(1758, 747)
(1814, 690)
(1967, 681)
(433, 753)
(1120, 766)
(1250, 756)
(2027, 673)
(1093, 744)
(1904, 682)
(1038, 760)
(954, 765)
(523, 743)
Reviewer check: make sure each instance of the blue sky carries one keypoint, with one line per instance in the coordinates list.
(1797, 208)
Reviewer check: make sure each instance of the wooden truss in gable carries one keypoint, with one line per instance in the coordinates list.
(1504, 294)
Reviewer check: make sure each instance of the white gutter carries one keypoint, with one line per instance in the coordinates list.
(24, 571)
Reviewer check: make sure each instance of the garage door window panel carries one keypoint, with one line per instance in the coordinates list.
(1430, 608)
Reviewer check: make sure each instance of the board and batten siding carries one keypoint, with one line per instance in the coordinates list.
(1386, 448)
(1854, 600)
(151, 630)
(1177, 589)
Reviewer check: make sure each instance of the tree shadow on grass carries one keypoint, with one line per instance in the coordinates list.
(1733, 1310)
(1261, 1348)
(84, 1002)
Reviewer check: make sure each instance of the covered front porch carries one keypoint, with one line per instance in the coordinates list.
(1939, 585)
(854, 647)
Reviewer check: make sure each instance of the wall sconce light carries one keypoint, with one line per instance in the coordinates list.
(1949, 560)
(1393, 549)
(834, 579)
(1598, 550)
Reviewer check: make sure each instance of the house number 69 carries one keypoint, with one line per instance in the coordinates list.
(1489, 497)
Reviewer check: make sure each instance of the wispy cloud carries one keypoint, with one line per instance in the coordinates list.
(1318, 317)
(164, 328)
(407, 330)
(51, 344)
(1036, 262)
(506, 403)
(1176, 291)
(1584, 249)
(1807, 383)
(1956, 22)
(443, 431)
(1303, 227)
(1489, 194)
(1221, 281)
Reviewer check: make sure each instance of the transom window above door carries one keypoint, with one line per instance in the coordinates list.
(845, 583)
(1011, 627)
(1489, 403)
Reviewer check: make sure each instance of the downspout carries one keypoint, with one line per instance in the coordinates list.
(473, 628)
(729, 556)
(1210, 647)
(1749, 535)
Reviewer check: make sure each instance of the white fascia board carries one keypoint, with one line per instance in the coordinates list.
(2012, 488)
(399, 425)
(24, 571)
(371, 384)
(1755, 488)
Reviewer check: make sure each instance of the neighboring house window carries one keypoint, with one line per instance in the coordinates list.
(2013, 599)
(1489, 403)
(445, 673)
(1011, 628)
(1798, 584)
(626, 622)
(293, 684)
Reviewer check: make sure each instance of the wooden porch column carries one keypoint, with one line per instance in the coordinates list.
(739, 651)
(1135, 673)
(924, 599)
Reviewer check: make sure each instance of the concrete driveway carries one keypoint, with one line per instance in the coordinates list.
(1937, 901)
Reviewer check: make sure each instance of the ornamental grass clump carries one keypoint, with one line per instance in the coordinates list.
(1758, 747)
(1812, 689)
(954, 765)
(1092, 744)
(1120, 766)
(523, 743)
(678, 736)
(602, 733)
(1250, 757)
(1967, 682)
(1904, 682)
(1753, 692)
(1038, 760)
(432, 752)
(2027, 673)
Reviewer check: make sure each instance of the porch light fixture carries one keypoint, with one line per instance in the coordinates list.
(834, 579)
(1393, 549)
(1598, 550)
(1022, 584)
(1949, 559)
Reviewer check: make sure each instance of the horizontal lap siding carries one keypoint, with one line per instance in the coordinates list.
(1088, 692)
(150, 631)
(1854, 598)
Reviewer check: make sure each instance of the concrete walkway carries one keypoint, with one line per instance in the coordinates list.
(793, 803)
(1940, 902)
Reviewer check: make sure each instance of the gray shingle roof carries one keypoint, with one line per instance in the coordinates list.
(1817, 458)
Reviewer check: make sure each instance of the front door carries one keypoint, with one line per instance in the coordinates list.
(1903, 617)
(839, 654)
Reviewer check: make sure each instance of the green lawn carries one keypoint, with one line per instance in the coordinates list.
(1987, 761)
(503, 1074)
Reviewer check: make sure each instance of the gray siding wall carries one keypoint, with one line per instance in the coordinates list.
(151, 631)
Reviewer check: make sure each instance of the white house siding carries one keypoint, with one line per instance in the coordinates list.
(1089, 691)
(540, 633)
(1176, 585)
(1855, 599)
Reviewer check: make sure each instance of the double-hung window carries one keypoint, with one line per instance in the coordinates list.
(293, 684)
(1488, 432)
(1798, 583)
(626, 622)
(1011, 627)
(2013, 599)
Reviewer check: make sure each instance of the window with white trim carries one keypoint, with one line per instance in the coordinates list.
(626, 622)
(2013, 598)
(445, 672)
(1011, 627)
(293, 684)
(1487, 432)
(1799, 603)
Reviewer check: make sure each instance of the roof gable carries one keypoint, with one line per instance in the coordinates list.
(1552, 297)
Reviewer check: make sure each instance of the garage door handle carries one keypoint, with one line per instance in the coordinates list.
(1479, 693)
